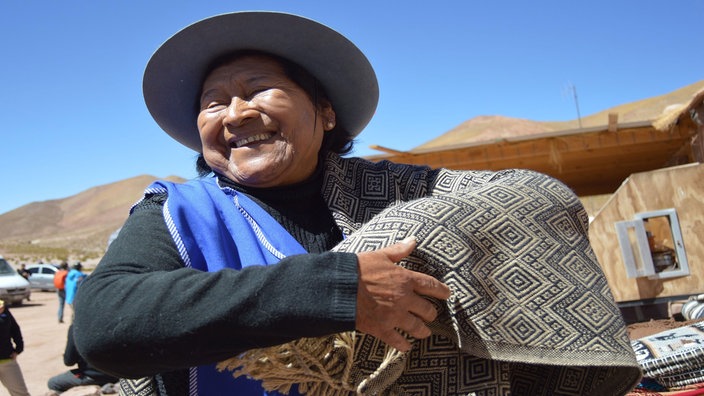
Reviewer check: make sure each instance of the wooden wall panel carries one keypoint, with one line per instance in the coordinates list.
(679, 187)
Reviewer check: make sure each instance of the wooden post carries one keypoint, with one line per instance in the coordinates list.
(613, 122)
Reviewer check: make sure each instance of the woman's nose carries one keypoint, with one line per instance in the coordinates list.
(239, 111)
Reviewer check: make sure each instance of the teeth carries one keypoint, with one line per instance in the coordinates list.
(261, 136)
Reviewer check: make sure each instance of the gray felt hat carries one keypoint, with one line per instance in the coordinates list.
(174, 74)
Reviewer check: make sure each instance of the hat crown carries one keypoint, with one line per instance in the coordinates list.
(174, 74)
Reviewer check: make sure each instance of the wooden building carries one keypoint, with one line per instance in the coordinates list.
(591, 161)
(619, 170)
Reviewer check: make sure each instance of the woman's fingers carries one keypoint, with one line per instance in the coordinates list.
(423, 309)
(426, 285)
(415, 327)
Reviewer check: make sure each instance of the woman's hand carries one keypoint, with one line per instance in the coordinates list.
(390, 297)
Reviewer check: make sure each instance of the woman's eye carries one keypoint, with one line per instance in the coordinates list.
(256, 92)
(214, 106)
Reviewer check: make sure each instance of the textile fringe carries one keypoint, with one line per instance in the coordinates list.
(319, 366)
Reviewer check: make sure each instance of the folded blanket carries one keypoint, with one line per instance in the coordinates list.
(674, 358)
(531, 312)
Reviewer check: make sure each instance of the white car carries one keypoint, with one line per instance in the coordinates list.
(14, 288)
(41, 276)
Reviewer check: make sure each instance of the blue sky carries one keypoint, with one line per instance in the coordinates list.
(70, 83)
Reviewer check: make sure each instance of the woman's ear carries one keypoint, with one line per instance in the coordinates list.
(328, 116)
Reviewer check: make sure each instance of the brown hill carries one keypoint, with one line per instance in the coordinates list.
(73, 228)
(494, 127)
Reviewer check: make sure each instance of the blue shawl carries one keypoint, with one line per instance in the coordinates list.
(214, 228)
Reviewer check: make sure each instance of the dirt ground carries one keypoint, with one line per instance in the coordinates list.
(44, 340)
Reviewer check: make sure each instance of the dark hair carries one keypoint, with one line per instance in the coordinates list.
(338, 140)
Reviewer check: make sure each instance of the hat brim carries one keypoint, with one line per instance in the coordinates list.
(174, 75)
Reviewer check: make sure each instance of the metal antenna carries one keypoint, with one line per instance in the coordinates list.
(576, 103)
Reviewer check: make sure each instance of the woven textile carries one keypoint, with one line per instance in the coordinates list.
(137, 387)
(531, 312)
(674, 358)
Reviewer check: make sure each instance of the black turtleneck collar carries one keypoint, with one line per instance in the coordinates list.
(299, 208)
(305, 190)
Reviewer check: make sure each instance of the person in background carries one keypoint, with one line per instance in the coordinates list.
(25, 274)
(74, 278)
(83, 374)
(11, 345)
(23, 271)
(60, 284)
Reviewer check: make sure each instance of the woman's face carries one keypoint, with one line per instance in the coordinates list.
(257, 127)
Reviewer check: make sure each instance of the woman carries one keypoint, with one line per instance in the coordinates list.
(11, 345)
(251, 257)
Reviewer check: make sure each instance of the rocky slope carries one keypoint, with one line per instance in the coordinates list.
(73, 228)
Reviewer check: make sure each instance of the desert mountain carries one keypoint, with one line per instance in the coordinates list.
(493, 127)
(75, 228)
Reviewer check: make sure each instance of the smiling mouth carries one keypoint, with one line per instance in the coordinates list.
(252, 139)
